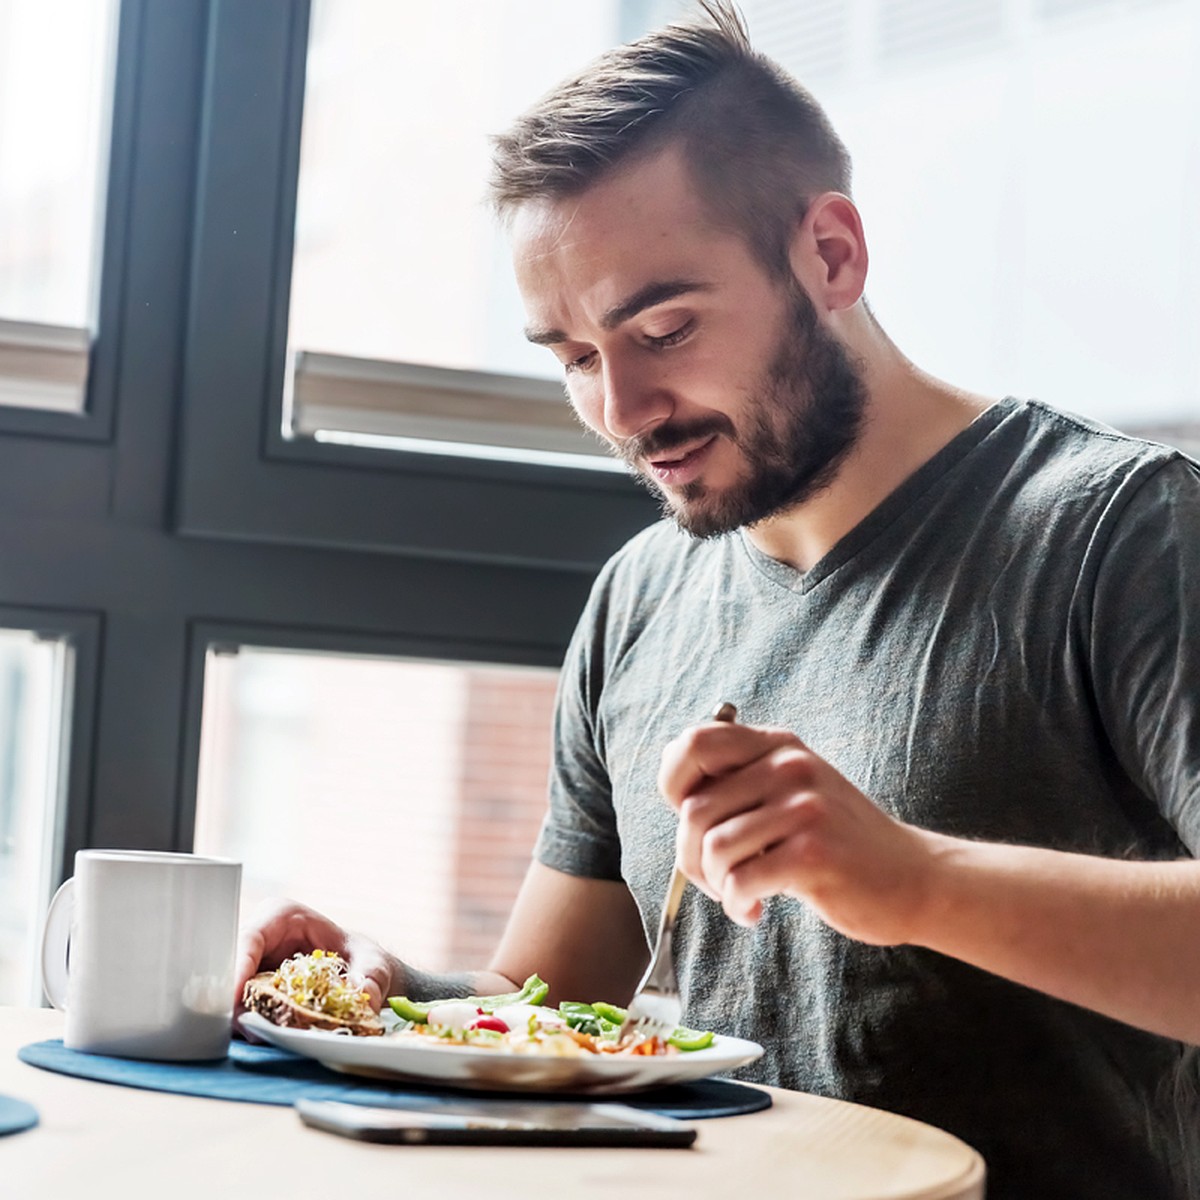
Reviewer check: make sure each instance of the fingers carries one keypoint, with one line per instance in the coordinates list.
(863, 873)
(769, 873)
(745, 838)
(251, 945)
(780, 771)
(714, 749)
(277, 930)
(762, 815)
(766, 850)
(281, 928)
(368, 961)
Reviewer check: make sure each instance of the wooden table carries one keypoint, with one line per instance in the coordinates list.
(100, 1141)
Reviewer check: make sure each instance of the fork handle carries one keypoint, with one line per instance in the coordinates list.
(674, 897)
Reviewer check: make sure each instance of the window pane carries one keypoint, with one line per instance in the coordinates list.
(400, 797)
(397, 257)
(35, 687)
(55, 110)
(56, 59)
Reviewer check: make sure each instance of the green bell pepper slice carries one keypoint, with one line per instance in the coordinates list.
(690, 1039)
(610, 1012)
(533, 991)
(409, 1010)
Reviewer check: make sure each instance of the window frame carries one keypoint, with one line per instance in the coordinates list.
(239, 477)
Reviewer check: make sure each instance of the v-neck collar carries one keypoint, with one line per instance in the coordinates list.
(887, 511)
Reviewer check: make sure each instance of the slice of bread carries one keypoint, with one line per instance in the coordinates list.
(260, 995)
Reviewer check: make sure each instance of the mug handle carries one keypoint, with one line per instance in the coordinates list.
(56, 937)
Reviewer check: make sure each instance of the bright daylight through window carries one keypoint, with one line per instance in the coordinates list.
(400, 797)
(56, 59)
(35, 687)
(982, 133)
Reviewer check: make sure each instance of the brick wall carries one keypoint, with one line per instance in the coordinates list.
(505, 760)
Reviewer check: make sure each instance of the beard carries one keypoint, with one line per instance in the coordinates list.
(802, 419)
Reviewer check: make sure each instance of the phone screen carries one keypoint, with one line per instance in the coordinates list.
(499, 1122)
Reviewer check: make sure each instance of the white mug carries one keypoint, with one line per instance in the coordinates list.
(152, 938)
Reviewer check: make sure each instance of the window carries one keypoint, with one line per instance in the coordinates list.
(56, 59)
(125, 545)
(400, 797)
(241, 475)
(404, 320)
(36, 680)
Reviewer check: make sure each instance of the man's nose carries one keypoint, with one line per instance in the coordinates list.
(634, 401)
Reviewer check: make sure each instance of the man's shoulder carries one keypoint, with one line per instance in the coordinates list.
(1089, 446)
(1075, 462)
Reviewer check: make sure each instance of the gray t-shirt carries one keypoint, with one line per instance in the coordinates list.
(1007, 648)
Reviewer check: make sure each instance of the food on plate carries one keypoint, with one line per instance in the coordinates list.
(519, 1023)
(313, 991)
(316, 991)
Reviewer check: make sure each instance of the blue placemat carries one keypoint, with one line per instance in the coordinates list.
(267, 1075)
(16, 1115)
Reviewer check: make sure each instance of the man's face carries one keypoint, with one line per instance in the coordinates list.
(718, 385)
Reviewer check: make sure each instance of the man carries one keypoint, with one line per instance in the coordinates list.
(943, 860)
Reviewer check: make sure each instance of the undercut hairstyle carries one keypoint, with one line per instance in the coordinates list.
(756, 143)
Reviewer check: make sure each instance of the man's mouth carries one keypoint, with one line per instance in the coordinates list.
(677, 467)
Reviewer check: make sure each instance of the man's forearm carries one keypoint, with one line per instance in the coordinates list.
(409, 981)
(1119, 937)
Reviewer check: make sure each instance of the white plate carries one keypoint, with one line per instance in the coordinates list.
(415, 1061)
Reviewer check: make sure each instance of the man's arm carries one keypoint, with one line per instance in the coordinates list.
(1119, 937)
(583, 936)
(762, 815)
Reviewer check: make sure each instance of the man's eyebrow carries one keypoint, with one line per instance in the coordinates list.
(545, 337)
(646, 297)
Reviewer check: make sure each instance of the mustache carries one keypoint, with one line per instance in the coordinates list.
(662, 441)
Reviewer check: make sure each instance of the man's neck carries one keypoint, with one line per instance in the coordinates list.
(909, 417)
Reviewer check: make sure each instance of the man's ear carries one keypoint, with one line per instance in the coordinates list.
(828, 254)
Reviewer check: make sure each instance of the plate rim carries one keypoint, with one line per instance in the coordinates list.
(727, 1053)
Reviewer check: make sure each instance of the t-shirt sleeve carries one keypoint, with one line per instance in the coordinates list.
(1145, 641)
(579, 833)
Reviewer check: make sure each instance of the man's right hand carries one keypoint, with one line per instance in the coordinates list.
(281, 928)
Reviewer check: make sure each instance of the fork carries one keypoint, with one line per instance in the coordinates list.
(655, 1009)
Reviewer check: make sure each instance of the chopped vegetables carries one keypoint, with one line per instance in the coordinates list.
(518, 1022)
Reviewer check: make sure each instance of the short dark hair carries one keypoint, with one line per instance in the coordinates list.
(759, 146)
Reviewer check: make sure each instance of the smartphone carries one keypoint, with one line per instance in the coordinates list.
(499, 1123)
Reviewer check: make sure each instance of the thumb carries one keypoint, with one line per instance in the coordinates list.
(367, 961)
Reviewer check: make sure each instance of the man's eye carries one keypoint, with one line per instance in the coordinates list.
(581, 363)
(671, 339)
